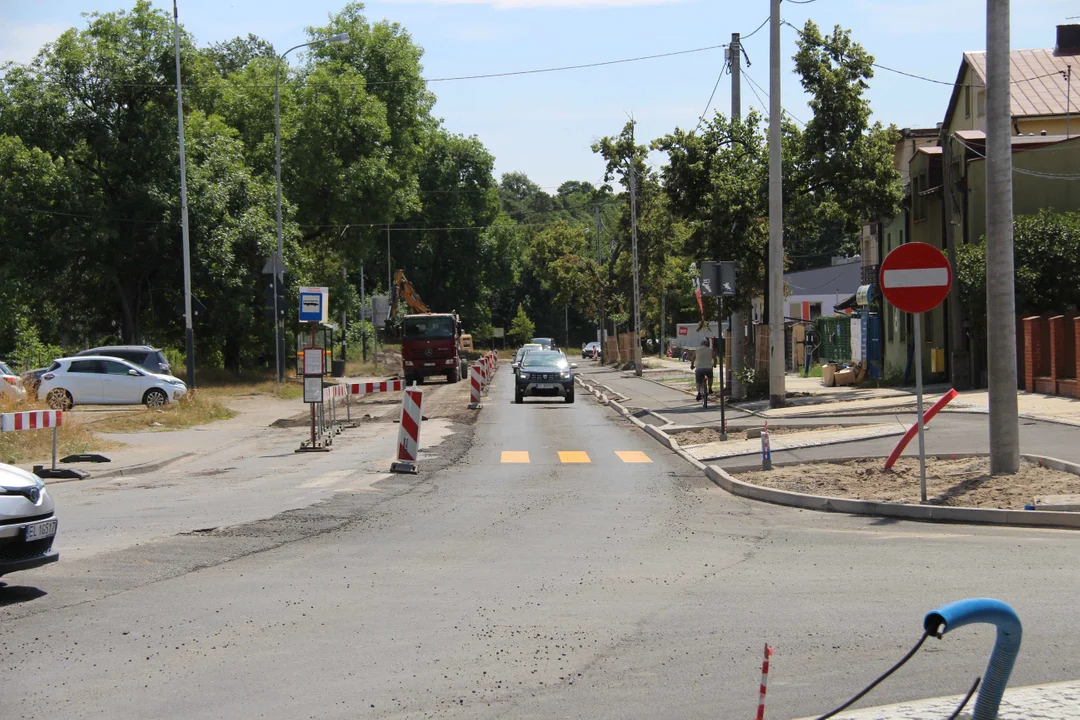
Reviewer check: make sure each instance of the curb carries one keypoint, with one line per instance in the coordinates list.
(925, 513)
(140, 469)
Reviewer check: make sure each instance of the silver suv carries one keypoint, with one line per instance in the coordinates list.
(144, 356)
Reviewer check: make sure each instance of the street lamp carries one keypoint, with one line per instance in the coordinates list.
(279, 265)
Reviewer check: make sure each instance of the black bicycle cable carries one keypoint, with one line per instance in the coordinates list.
(974, 687)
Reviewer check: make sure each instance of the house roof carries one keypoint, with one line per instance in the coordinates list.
(1037, 78)
(841, 279)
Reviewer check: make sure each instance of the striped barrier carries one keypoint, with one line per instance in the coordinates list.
(31, 420)
(474, 387)
(409, 431)
(375, 387)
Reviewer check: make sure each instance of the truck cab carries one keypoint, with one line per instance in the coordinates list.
(429, 347)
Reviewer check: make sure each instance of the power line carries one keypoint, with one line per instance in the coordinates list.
(763, 24)
(800, 2)
(512, 73)
(1021, 171)
(704, 112)
(754, 83)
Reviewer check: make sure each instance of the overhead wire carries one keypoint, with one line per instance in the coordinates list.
(1021, 171)
(701, 119)
(754, 82)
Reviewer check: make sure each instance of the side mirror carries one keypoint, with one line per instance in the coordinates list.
(134, 373)
(573, 366)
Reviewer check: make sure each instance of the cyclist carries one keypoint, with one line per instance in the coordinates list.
(703, 363)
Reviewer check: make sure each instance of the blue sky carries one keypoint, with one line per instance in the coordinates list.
(543, 124)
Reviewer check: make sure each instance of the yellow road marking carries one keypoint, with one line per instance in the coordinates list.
(574, 456)
(515, 456)
(633, 456)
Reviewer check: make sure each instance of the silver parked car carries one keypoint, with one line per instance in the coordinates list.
(27, 521)
(106, 381)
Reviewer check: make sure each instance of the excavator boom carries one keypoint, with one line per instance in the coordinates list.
(403, 290)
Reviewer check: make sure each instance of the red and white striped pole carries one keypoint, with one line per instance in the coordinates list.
(409, 431)
(764, 682)
(474, 387)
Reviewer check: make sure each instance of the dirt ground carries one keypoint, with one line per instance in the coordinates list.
(708, 435)
(962, 482)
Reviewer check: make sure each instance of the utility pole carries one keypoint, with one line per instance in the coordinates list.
(738, 329)
(633, 240)
(389, 274)
(776, 218)
(1000, 273)
(363, 311)
(189, 332)
(344, 314)
(663, 319)
(600, 285)
(958, 360)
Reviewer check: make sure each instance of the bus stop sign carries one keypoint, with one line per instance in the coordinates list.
(915, 277)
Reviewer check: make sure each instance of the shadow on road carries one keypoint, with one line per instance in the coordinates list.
(15, 594)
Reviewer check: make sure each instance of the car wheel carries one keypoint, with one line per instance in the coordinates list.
(519, 397)
(59, 399)
(155, 398)
(570, 397)
(453, 376)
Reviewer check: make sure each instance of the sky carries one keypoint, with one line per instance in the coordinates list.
(544, 124)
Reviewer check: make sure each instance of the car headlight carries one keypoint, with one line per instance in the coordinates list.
(566, 375)
(176, 381)
(524, 376)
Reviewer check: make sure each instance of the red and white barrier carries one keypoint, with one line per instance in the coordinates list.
(409, 431)
(375, 387)
(31, 420)
(764, 682)
(474, 387)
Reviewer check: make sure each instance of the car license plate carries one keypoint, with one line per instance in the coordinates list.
(40, 530)
(429, 364)
(545, 386)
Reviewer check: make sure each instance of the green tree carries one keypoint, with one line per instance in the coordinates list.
(521, 327)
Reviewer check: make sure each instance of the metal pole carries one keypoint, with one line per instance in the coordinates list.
(363, 311)
(600, 299)
(389, 274)
(1000, 272)
(737, 328)
(723, 370)
(918, 405)
(567, 325)
(637, 292)
(663, 319)
(54, 447)
(189, 333)
(776, 219)
(958, 361)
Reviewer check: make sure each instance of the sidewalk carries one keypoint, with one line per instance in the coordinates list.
(1057, 701)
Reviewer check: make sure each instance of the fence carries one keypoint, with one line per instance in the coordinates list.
(835, 334)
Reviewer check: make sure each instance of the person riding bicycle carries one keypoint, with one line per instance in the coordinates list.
(703, 363)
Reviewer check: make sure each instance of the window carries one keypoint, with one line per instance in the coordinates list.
(428, 328)
(901, 237)
(115, 368)
(980, 102)
(815, 310)
(85, 366)
(928, 327)
(919, 201)
(888, 241)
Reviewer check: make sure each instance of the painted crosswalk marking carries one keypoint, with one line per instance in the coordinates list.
(574, 456)
(515, 456)
(633, 456)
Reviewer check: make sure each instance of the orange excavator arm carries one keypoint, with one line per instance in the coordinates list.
(403, 290)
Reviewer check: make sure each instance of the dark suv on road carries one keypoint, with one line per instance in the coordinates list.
(142, 355)
(544, 373)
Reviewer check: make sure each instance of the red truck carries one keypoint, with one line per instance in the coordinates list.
(429, 346)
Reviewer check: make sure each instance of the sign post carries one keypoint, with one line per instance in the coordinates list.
(916, 278)
(314, 308)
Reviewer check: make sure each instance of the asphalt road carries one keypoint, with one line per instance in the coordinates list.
(574, 585)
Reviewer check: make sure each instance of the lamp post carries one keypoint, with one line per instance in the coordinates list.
(189, 333)
(279, 266)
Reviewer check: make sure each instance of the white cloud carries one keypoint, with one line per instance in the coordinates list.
(20, 43)
(546, 4)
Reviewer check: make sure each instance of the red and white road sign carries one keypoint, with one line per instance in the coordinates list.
(915, 277)
(31, 420)
(409, 432)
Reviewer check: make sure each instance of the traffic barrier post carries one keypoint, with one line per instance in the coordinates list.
(409, 431)
(40, 420)
(474, 387)
(766, 449)
(764, 682)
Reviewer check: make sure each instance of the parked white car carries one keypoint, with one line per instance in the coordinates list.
(106, 381)
(27, 521)
(11, 385)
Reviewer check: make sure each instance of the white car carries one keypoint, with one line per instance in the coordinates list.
(11, 385)
(27, 521)
(106, 381)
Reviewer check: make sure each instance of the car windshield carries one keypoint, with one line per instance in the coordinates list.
(546, 359)
(5, 370)
(427, 328)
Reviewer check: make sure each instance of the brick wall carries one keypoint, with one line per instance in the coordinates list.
(1032, 351)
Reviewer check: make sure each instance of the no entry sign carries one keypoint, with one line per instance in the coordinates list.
(915, 277)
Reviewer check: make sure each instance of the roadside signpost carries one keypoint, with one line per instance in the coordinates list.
(718, 279)
(314, 307)
(916, 278)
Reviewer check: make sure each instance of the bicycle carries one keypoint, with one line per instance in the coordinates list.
(703, 389)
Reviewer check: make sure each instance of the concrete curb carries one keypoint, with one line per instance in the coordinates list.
(925, 513)
(140, 469)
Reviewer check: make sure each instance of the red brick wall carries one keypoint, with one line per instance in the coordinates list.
(1057, 348)
(1033, 354)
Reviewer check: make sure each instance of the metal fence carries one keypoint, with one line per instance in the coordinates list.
(835, 334)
